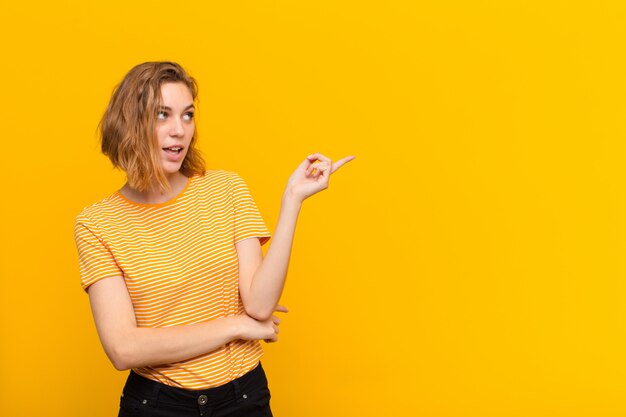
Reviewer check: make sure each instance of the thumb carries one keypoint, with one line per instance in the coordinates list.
(305, 164)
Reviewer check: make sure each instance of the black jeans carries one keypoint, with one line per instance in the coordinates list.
(246, 396)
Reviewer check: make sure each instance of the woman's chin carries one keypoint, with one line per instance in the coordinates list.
(171, 169)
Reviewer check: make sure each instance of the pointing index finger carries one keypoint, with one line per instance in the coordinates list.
(341, 162)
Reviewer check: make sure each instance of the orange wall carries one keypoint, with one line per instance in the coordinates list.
(469, 263)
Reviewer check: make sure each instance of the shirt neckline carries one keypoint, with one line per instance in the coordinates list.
(156, 205)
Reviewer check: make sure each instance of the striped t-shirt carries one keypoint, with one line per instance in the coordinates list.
(180, 265)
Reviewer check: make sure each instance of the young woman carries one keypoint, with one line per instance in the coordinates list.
(179, 289)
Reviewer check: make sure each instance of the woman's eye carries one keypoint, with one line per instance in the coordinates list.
(163, 115)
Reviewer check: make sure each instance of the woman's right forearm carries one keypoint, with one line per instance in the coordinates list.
(130, 346)
(143, 346)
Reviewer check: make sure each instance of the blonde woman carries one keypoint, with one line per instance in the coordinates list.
(179, 289)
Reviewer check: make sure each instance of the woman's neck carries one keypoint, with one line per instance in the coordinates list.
(155, 195)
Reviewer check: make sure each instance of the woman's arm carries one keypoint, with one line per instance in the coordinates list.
(261, 280)
(129, 346)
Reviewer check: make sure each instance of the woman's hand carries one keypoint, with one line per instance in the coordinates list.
(267, 330)
(312, 176)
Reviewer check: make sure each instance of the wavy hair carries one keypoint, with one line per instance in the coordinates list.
(128, 126)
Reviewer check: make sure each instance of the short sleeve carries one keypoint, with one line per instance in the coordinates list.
(248, 220)
(94, 257)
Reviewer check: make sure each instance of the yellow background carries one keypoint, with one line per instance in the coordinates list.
(469, 262)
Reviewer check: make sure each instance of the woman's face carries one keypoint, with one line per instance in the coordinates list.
(174, 125)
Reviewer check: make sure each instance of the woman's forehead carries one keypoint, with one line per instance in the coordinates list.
(176, 94)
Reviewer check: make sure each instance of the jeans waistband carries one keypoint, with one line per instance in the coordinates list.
(155, 392)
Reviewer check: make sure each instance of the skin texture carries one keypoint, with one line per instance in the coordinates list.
(261, 280)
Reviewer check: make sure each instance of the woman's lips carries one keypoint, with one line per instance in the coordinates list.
(173, 155)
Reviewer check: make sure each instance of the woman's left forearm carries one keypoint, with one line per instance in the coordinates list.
(269, 278)
(311, 177)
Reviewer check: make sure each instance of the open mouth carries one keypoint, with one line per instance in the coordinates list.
(173, 150)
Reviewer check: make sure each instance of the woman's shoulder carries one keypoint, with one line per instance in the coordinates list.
(98, 209)
(217, 177)
(218, 174)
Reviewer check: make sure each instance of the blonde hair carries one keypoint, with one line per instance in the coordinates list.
(128, 135)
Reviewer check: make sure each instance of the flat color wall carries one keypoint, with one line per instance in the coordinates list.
(469, 263)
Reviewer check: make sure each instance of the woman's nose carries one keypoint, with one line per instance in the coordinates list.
(177, 128)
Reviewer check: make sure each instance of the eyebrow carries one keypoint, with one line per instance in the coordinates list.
(191, 106)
